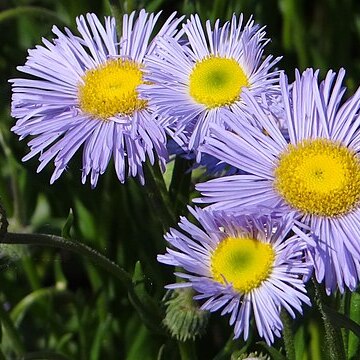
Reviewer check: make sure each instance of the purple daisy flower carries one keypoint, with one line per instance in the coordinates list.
(192, 79)
(242, 264)
(85, 94)
(314, 170)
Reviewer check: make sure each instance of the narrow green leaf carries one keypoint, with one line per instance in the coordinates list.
(44, 355)
(85, 220)
(65, 232)
(141, 345)
(145, 305)
(161, 353)
(299, 343)
(19, 311)
(63, 341)
(101, 332)
(11, 332)
(353, 340)
(2, 356)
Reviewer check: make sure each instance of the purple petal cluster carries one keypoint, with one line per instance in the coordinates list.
(191, 248)
(172, 62)
(47, 105)
(312, 111)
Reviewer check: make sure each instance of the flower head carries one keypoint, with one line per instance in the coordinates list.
(314, 170)
(242, 264)
(83, 92)
(194, 77)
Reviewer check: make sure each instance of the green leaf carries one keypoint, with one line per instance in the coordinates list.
(11, 336)
(44, 355)
(19, 311)
(354, 341)
(299, 343)
(141, 346)
(145, 305)
(65, 232)
(85, 220)
(101, 333)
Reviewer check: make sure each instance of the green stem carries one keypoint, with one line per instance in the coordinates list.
(333, 339)
(77, 247)
(117, 11)
(11, 331)
(345, 309)
(288, 335)
(158, 194)
(187, 350)
(29, 10)
(180, 184)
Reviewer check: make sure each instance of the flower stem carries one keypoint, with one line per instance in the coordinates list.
(180, 184)
(288, 335)
(158, 195)
(187, 350)
(77, 247)
(30, 10)
(333, 338)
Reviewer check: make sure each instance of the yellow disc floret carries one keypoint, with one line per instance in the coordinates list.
(319, 177)
(243, 262)
(217, 81)
(110, 89)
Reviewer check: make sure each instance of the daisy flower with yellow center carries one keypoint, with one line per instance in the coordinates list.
(313, 171)
(243, 264)
(83, 93)
(198, 73)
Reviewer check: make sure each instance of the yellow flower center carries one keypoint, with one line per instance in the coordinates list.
(319, 177)
(244, 262)
(217, 81)
(110, 89)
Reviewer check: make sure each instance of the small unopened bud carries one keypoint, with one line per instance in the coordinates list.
(184, 319)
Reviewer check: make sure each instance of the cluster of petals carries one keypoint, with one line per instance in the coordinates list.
(192, 247)
(244, 136)
(47, 105)
(312, 111)
(172, 62)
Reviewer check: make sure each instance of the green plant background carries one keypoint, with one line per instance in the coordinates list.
(59, 305)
